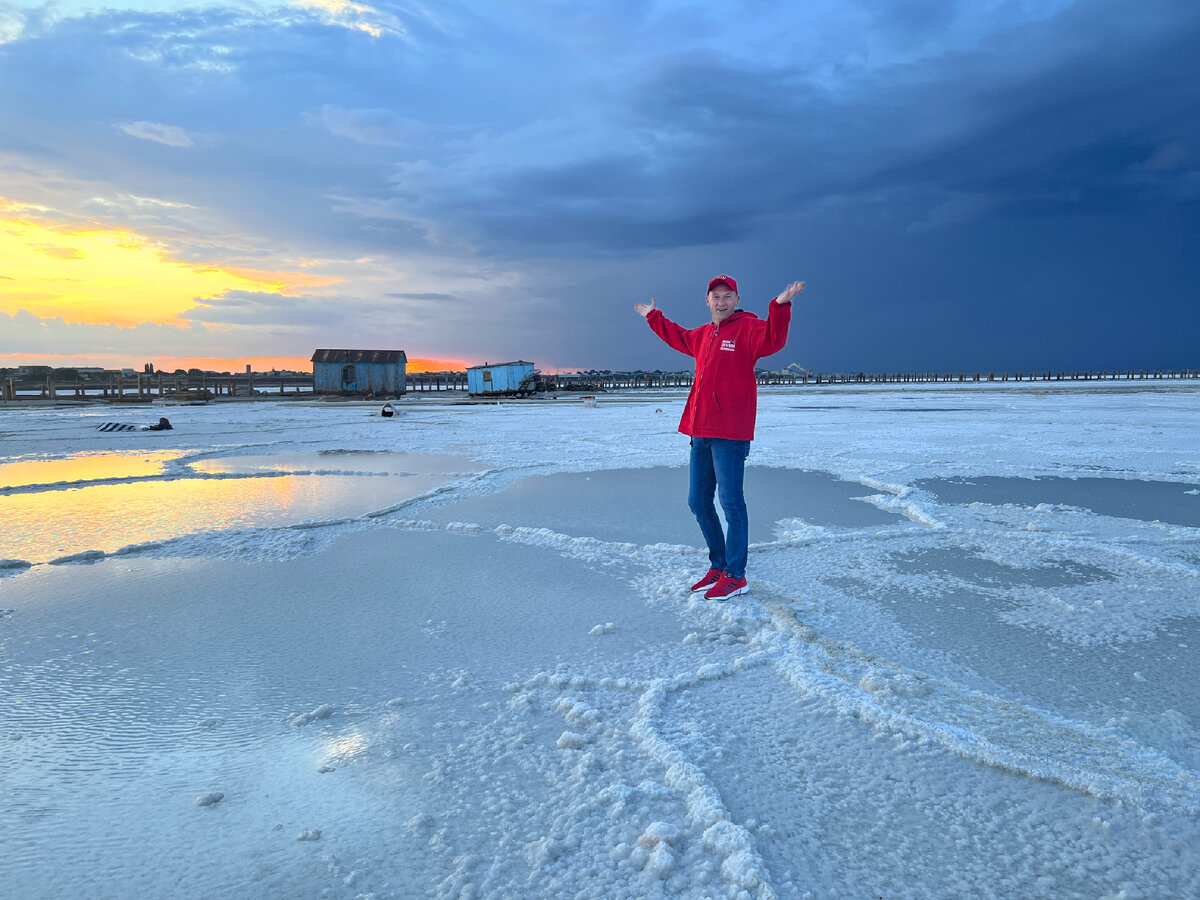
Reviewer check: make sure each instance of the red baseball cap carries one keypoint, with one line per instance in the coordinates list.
(723, 278)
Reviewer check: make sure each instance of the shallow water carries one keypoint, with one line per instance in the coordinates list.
(1174, 502)
(611, 504)
(134, 506)
(85, 467)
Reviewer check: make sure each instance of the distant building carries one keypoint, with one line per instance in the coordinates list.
(499, 378)
(359, 371)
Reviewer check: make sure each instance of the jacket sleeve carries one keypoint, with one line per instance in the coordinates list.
(773, 338)
(674, 335)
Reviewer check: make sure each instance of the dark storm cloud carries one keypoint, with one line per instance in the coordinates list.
(1029, 122)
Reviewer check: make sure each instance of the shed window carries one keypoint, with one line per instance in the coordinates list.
(348, 375)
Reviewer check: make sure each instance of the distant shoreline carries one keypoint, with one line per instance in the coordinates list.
(625, 395)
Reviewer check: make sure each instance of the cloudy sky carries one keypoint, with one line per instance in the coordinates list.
(992, 184)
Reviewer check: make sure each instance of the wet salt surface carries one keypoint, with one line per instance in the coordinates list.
(109, 695)
(1175, 502)
(610, 504)
(964, 618)
(492, 688)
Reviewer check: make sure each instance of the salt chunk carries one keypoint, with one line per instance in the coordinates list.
(309, 834)
(419, 822)
(659, 833)
(660, 862)
(741, 870)
(210, 799)
(569, 740)
(543, 851)
(725, 838)
(606, 628)
(324, 711)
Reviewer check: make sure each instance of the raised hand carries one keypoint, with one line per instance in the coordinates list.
(790, 291)
(644, 309)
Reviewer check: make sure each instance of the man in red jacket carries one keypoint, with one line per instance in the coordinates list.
(719, 417)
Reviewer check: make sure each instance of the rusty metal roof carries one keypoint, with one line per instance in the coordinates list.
(359, 356)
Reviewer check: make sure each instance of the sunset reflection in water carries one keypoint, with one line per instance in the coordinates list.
(85, 467)
(42, 526)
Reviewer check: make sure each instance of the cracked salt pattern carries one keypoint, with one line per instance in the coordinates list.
(964, 668)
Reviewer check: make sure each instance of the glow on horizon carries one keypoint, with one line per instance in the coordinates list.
(113, 276)
(205, 363)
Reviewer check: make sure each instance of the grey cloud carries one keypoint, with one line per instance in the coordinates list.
(1031, 119)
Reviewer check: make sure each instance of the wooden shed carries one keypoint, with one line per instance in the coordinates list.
(500, 378)
(379, 372)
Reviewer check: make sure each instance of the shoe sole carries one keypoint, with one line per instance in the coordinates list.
(703, 587)
(737, 593)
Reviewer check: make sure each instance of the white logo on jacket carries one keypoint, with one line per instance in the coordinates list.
(727, 345)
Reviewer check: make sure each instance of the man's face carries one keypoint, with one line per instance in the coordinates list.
(722, 301)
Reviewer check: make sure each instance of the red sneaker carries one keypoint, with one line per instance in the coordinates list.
(711, 577)
(727, 587)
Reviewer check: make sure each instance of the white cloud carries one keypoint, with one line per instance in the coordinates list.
(356, 16)
(171, 135)
(11, 25)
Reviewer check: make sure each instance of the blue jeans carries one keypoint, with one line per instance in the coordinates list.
(718, 465)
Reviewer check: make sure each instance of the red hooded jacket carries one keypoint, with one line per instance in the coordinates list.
(724, 397)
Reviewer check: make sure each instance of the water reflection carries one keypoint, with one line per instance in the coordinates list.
(346, 746)
(42, 526)
(85, 467)
(339, 461)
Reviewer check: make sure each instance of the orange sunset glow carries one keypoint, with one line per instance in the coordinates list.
(293, 364)
(107, 275)
(205, 363)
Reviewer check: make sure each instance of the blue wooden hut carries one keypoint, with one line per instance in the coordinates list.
(380, 372)
(498, 378)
